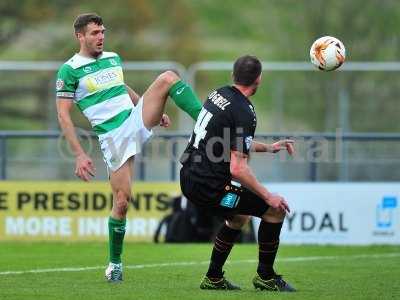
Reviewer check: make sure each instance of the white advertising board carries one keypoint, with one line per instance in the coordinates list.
(340, 213)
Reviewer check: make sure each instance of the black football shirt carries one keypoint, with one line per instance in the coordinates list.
(226, 122)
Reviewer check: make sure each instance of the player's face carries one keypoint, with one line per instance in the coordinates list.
(92, 40)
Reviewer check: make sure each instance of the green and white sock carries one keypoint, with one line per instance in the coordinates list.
(116, 233)
(185, 98)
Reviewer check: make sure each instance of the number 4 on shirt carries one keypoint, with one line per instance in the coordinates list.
(200, 127)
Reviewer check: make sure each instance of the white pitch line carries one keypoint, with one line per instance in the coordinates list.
(191, 263)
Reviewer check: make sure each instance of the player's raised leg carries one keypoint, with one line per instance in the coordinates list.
(120, 181)
(155, 97)
(224, 241)
(268, 242)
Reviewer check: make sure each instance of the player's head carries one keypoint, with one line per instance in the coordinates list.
(89, 30)
(247, 72)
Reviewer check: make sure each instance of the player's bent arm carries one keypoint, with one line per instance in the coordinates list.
(64, 107)
(259, 147)
(133, 95)
(273, 148)
(241, 171)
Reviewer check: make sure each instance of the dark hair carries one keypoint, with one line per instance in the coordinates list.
(83, 20)
(246, 70)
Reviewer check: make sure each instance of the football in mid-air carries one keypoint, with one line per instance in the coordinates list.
(327, 53)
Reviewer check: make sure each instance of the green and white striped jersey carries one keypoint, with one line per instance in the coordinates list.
(97, 88)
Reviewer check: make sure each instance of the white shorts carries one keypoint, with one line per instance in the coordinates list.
(125, 141)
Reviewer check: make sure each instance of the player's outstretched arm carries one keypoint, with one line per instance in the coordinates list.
(286, 144)
(241, 172)
(84, 165)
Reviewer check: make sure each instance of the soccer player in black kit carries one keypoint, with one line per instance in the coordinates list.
(216, 177)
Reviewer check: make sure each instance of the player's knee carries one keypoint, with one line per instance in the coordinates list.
(281, 215)
(168, 78)
(238, 222)
(122, 201)
(274, 215)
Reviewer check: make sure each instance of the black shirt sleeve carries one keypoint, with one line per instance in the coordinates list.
(242, 131)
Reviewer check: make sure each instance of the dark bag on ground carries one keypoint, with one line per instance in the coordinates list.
(185, 224)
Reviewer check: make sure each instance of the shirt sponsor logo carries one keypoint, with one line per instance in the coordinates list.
(103, 80)
(105, 77)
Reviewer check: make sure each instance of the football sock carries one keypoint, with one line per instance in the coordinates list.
(222, 247)
(116, 233)
(185, 98)
(268, 243)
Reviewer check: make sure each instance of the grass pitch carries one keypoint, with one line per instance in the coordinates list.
(75, 271)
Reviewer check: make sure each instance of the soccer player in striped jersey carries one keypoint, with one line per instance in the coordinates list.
(93, 80)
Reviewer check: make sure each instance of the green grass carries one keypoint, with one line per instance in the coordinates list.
(348, 276)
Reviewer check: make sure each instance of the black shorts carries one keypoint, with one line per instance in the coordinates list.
(217, 203)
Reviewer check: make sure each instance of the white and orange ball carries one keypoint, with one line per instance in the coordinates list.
(327, 53)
